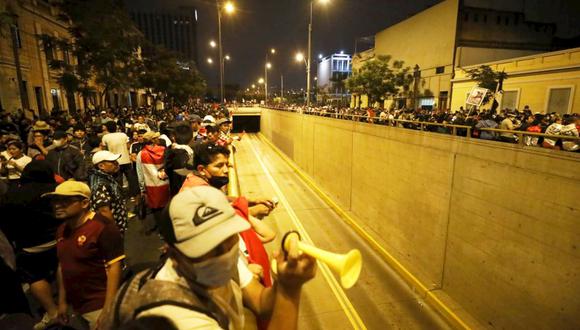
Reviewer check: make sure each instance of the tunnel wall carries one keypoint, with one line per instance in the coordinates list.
(492, 227)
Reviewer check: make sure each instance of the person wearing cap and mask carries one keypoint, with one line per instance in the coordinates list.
(66, 161)
(107, 197)
(203, 283)
(90, 251)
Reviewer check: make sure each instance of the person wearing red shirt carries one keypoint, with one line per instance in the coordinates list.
(90, 250)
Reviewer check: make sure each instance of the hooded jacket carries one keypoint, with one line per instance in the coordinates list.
(68, 162)
(31, 221)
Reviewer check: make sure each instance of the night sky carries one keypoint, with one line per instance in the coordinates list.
(259, 25)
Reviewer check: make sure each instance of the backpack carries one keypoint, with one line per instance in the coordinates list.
(144, 292)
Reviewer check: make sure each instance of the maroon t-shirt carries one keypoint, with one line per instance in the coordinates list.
(83, 257)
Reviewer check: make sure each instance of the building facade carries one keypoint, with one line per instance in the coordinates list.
(332, 71)
(458, 33)
(26, 80)
(547, 82)
(174, 29)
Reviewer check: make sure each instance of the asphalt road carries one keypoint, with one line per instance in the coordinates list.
(380, 299)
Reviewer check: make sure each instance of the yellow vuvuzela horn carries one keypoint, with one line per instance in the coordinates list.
(348, 266)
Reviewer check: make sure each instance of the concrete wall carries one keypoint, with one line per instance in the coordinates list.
(492, 227)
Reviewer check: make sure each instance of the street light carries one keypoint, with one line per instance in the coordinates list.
(299, 57)
(212, 44)
(229, 9)
(267, 66)
(308, 63)
(209, 60)
(261, 81)
(227, 57)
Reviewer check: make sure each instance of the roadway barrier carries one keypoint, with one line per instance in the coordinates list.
(489, 228)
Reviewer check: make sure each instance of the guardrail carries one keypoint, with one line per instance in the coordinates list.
(234, 184)
(423, 126)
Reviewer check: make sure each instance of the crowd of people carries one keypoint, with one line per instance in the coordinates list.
(70, 188)
(477, 123)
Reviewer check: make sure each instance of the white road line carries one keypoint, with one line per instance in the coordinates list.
(338, 292)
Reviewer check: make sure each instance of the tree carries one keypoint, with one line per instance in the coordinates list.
(168, 78)
(487, 78)
(106, 43)
(380, 78)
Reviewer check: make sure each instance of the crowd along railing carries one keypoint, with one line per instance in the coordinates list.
(465, 130)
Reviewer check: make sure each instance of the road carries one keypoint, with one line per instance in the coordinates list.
(380, 299)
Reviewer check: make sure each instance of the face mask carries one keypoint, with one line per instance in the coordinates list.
(218, 181)
(217, 271)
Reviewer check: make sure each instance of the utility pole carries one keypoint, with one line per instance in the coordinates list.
(308, 61)
(281, 87)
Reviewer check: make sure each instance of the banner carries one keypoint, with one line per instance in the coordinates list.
(476, 96)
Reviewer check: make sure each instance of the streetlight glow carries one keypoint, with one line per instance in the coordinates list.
(227, 57)
(320, 56)
(273, 51)
(229, 7)
(212, 44)
(324, 1)
(253, 86)
(209, 60)
(261, 81)
(299, 57)
(268, 65)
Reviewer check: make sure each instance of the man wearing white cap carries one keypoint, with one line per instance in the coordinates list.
(203, 282)
(107, 198)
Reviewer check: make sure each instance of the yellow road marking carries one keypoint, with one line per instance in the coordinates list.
(343, 300)
(429, 296)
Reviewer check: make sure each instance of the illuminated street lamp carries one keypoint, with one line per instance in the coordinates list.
(267, 66)
(209, 60)
(300, 57)
(229, 8)
(227, 57)
(308, 61)
(212, 44)
(261, 81)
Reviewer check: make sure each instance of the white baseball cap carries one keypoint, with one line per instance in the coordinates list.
(198, 219)
(209, 119)
(104, 155)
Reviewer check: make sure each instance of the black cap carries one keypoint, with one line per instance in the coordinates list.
(59, 135)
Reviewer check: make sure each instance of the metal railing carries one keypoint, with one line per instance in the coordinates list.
(234, 184)
(424, 126)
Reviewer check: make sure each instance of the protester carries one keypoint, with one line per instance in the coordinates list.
(66, 161)
(13, 161)
(90, 251)
(153, 183)
(117, 143)
(107, 198)
(203, 283)
(32, 231)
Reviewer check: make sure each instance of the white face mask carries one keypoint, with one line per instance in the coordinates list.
(217, 271)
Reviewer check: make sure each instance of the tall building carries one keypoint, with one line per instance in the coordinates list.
(174, 29)
(332, 71)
